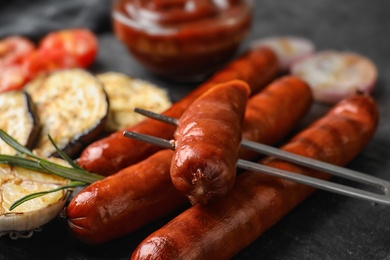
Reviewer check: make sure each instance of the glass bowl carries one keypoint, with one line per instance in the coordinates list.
(182, 40)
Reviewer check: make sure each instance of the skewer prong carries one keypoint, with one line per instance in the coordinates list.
(383, 196)
(159, 117)
(164, 143)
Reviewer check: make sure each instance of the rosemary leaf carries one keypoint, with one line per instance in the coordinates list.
(64, 155)
(76, 175)
(70, 173)
(15, 144)
(21, 162)
(42, 193)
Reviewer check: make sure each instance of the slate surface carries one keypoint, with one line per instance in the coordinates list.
(325, 226)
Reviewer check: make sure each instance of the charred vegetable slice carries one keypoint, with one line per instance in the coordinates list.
(18, 118)
(335, 75)
(16, 182)
(33, 190)
(125, 93)
(72, 106)
(288, 49)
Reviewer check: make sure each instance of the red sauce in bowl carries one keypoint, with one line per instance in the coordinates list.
(183, 40)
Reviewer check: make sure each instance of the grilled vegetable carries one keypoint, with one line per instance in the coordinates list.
(288, 49)
(18, 118)
(33, 190)
(72, 106)
(125, 93)
(21, 61)
(11, 78)
(335, 75)
(78, 47)
(13, 49)
(16, 182)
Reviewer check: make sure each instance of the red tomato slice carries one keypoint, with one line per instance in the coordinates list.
(13, 49)
(11, 78)
(80, 44)
(44, 61)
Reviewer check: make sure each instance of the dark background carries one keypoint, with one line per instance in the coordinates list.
(325, 226)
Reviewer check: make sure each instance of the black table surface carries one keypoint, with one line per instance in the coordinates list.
(326, 225)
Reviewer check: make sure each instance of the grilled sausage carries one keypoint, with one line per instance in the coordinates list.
(221, 230)
(108, 155)
(272, 114)
(141, 194)
(208, 140)
(115, 206)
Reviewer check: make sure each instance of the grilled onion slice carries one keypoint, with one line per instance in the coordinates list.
(335, 75)
(72, 106)
(288, 49)
(125, 93)
(18, 118)
(16, 182)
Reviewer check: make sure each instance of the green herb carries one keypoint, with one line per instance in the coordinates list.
(21, 162)
(16, 145)
(64, 155)
(69, 173)
(42, 193)
(28, 160)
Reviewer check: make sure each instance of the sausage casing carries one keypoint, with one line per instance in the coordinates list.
(208, 140)
(115, 206)
(275, 111)
(140, 192)
(221, 230)
(257, 67)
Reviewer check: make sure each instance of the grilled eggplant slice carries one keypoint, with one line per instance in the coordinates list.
(125, 93)
(72, 106)
(18, 119)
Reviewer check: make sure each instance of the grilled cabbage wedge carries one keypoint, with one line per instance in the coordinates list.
(72, 106)
(125, 93)
(18, 118)
(15, 183)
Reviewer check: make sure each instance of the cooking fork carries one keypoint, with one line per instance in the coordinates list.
(381, 195)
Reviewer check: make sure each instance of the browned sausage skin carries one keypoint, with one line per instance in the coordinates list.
(221, 230)
(257, 67)
(116, 205)
(140, 190)
(279, 107)
(208, 140)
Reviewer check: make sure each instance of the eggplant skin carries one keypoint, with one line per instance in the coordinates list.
(72, 107)
(19, 119)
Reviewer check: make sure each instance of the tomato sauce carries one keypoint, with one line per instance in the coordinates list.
(182, 39)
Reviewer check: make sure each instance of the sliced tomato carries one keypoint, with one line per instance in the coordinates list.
(43, 61)
(13, 49)
(21, 61)
(12, 77)
(80, 44)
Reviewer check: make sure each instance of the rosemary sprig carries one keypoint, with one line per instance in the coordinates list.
(21, 162)
(64, 155)
(16, 145)
(42, 193)
(69, 173)
(77, 175)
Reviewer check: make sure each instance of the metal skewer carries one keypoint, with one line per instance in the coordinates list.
(382, 186)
